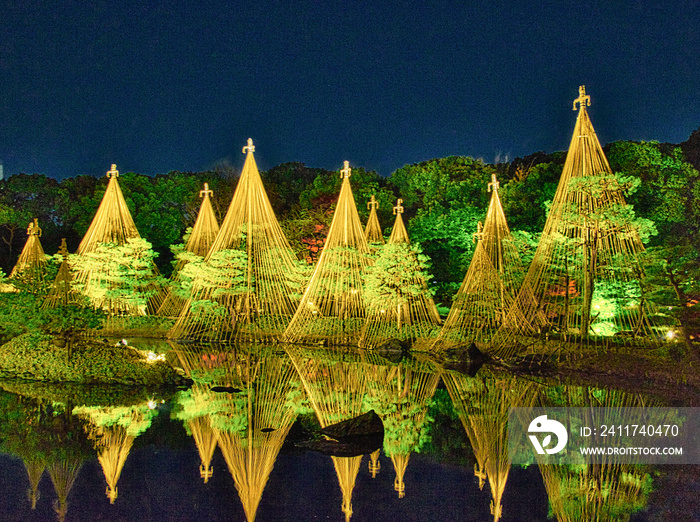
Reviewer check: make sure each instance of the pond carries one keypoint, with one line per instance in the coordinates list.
(234, 446)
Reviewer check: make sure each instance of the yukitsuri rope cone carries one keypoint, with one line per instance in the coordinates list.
(489, 286)
(252, 281)
(63, 474)
(399, 304)
(373, 230)
(113, 224)
(482, 404)
(587, 260)
(113, 431)
(35, 470)
(607, 491)
(252, 423)
(32, 260)
(196, 406)
(62, 292)
(332, 309)
(336, 385)
(204, 232)
(400, 393)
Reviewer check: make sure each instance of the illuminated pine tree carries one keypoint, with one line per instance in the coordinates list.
(272, 280)
(332, 308)
(490, 284)
(591, 239)
(399, 302)
(198, 241)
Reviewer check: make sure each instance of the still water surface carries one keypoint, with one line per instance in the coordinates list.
(227, 448)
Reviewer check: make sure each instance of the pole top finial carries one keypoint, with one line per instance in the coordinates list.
(206, 192)
(63, 249)
(346, 170)
(372, 203)
(398, 209)
(250, 147)
(495, 185)
(113, 172)
(479, 235)
(583, 99)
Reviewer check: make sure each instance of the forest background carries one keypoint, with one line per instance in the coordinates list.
(443, 198)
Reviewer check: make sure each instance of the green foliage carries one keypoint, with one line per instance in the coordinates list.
(120, 276)
(34, 356)
(19, 314)
(611, 217)
(397, 276)
(36, 432)
(669, 188)
(446, 237)
(524, 197)
(135, 419)
(432, 183)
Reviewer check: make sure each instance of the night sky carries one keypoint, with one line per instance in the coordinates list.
(178, 85)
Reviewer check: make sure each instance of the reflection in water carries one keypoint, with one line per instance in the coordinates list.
(63, 474)
(482, 404)
(35, 470)
(246, 399)
(113, 430)
(250, 422)
(399, 393)
(607, 491)
(335, 382)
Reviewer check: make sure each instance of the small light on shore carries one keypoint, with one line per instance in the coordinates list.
(670, 334)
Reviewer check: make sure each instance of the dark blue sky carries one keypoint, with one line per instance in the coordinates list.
(160, 86)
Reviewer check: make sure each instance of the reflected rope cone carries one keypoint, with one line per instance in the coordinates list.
(251, 281)
(63, 475)
(489, 286)
(35, 470)
(202, 236)
(587, 259)
(336, 385)
(252, 424)
(482, 404)
(399, 304)
(400, 393)
(611, 491)
(113, 430)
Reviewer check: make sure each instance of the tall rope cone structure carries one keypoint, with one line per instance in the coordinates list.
(62, 292)
(35, 470)
(253, 424)
(63, 474)
(336, 385)
(490, 284)
(113, 224)
(587, 258)
(332, 309)
(400, 393)
(202, 237)
(373, 230)
(610, 490)
(199, 404)
(113, 431)
(32, 260)
(259, 279)
(483, 404)
(405, 310)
